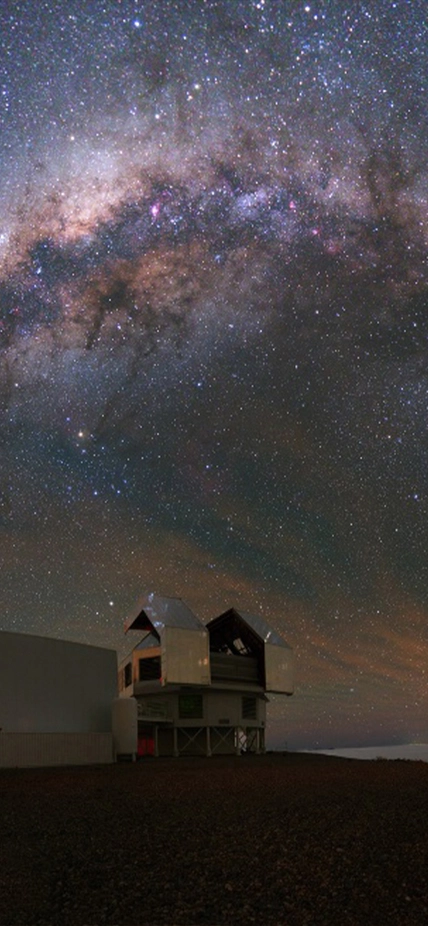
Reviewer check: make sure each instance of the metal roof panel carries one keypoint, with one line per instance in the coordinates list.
(154, 612)
(256, 623)
(148, 642)
(263, 630)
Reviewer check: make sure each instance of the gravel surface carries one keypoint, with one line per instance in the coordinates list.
(273, 839)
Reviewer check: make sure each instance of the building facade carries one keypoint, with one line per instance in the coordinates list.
(55, 701)
(202, 689)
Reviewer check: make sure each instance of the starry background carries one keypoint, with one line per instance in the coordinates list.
(213, 334)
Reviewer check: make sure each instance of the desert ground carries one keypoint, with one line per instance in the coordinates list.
(287, 839)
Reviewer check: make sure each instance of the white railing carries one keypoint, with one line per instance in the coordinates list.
(148, 710)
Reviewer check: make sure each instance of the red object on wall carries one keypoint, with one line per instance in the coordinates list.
(146, 745)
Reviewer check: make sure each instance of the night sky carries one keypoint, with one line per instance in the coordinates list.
(213, 334)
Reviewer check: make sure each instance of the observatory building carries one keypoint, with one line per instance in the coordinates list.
(201, 689)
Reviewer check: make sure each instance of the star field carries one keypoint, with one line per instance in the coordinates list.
(213, 334)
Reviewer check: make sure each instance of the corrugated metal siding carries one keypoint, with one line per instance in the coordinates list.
(29, 750)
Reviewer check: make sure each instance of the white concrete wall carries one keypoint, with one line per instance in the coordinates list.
(54, 686)
(227, 706)
(30, 750)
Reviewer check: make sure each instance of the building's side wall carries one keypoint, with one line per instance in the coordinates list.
(225, 708)
(229, 708)
(218, 708)
(129, 671)
(54, 686)
(279, 669)
(156, 707)
(126, 675)
(185, 656)
(29, 750)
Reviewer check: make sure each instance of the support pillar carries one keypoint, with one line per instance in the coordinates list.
(237, 743)
(175, 747)
(155, 740)
(208, 743)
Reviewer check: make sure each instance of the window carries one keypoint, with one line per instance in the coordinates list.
(190, 706)
(127, 674)
(149, 668)
(249, 707)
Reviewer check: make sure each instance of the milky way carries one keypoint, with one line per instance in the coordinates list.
(213, 333)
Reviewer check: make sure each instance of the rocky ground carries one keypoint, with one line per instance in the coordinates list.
(290, 840)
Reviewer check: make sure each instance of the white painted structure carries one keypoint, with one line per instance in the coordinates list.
(202, 689)
(125, 728)
(55, 701)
